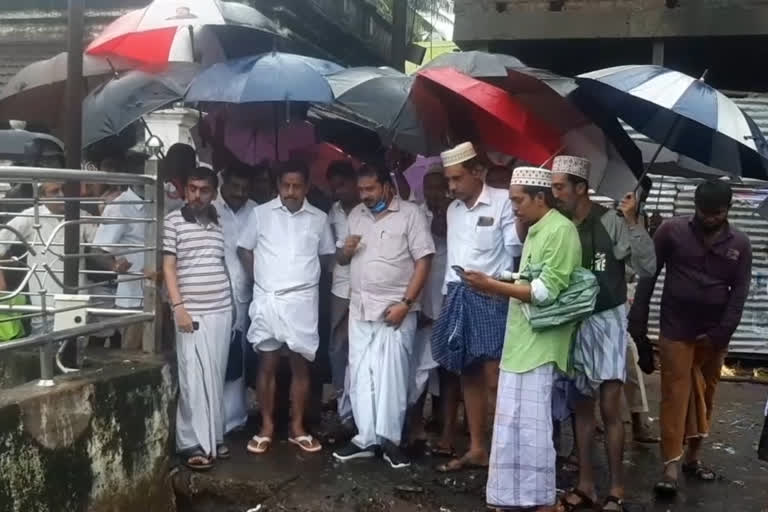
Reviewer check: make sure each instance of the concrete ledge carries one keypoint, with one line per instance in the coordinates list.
(98, 441)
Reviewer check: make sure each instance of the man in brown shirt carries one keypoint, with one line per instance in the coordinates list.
(389, 251)
(709, 268)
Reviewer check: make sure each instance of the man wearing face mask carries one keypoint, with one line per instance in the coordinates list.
(281, 248)
(389, 251)
(709, 268)
(233, 208)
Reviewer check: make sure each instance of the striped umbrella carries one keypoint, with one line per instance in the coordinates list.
(683, 114)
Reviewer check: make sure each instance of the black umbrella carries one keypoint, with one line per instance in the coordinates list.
(378, 99)
(28, 147)
(113, 106)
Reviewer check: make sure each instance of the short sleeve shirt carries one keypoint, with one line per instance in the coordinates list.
(286, 245)
(200, 268)
(386, 257)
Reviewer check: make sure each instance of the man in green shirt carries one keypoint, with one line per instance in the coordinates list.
(522, 466)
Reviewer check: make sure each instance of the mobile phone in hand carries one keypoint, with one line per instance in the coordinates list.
(196, 326)
(458, 269)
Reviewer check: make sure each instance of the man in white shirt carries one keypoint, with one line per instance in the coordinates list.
(342, 179)
(423, 366)
(468, 336)
(130, 288)
(390, 250)
(234, 208)
(281, 246)
(50, 216)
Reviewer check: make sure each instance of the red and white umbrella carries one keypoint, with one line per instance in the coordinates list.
(203, 31)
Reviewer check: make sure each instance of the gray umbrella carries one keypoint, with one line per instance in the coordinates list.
(379, 99)
(36, 93)
(113, 106)
(28, 147)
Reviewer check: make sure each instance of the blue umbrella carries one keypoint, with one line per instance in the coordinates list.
(269, 77)
(683, 114)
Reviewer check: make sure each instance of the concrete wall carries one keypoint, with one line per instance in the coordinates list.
(97, 442)
(484, 20)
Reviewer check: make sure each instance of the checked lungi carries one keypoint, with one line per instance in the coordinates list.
(521, 471)
(470, 328)
(600, 350)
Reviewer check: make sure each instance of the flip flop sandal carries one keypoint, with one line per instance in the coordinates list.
(613, 500)
(259, 445)
(584, 503)
(198, 461)
(666, 487)
(646, 439)
(223, 452)
(700, 471)
(457, 465)
(448, 453)
(307, 443)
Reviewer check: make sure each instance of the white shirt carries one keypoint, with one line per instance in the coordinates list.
(233, 224)
(42, 279)
(132, 233)
(432, 295)
(483, 237)
(337, 217)
(286, 246)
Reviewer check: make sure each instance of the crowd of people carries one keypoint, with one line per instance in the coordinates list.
(452, 296)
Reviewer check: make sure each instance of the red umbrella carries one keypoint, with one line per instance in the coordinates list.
(475, 110)
(319, 157)
(203, 31)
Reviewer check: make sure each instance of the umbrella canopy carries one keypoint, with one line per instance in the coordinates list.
(586, 129)
(113, 106)
(683, 114)
(273, 77)
(36, 93)
(381, 97)
(24, 146)
(475, 110)
(203, 31)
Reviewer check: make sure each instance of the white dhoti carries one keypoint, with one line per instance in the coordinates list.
(202, 361)
(285, 318)
(235, 401)
(422, 364)
(379, 361)
(521, 471)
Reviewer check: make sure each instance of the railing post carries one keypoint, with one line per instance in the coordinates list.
(153, 262)
(46, 365)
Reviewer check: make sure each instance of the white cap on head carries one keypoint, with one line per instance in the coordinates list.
(531, 177)
(460, 154)
(574, 165)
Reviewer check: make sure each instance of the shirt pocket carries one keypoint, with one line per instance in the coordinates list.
(391, 245)
(485, 238)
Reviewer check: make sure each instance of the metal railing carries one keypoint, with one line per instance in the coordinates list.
(49, 273)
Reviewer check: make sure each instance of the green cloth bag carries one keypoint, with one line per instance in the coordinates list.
(574, 303)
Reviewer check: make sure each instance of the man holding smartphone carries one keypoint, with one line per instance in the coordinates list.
(468, 336)
(199, 292)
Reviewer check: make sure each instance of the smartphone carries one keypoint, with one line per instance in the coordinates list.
(456, 268)
(196, 326)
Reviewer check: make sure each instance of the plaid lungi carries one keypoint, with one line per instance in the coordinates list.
(521, 472)
(600, 350)
(470, 328)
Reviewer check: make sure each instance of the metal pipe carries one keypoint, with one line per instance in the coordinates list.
(83, 330)
(45, 175)
(60, 200)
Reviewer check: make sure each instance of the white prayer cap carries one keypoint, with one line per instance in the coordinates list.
(532, 177)
(461, 153)
(574, 165)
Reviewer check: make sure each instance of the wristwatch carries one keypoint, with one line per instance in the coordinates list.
(408, 302)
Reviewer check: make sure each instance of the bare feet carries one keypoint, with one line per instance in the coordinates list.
(468, 461)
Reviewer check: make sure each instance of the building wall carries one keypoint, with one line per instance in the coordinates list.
(483, 20)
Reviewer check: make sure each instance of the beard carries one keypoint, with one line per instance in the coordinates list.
(707, 228)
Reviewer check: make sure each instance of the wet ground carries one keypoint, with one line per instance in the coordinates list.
(287, 480)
